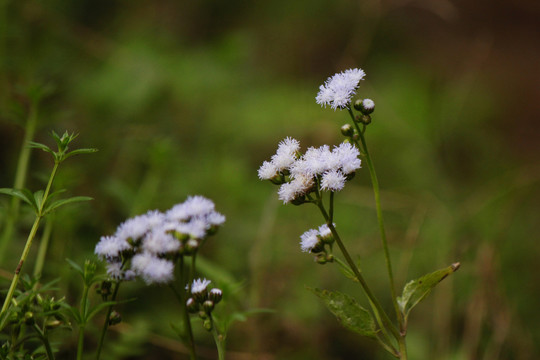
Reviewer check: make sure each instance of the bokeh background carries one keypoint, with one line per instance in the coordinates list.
(189, 97)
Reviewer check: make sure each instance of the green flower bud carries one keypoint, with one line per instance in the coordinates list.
(320, 259)
(114, 318)
(215, 295)
(51, 324)
(208, 306)
(358, 105)
(366, 119)
(347, 130)
(208, 324)
(192, 306)
(329, 258)
(367, 106)
(29, 318)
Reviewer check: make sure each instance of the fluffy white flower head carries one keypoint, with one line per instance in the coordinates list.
(152, 269)
(110, 247)
(199, 286)
(338, 90)
(333, 180)
(368, 104)
(309, 240)
(267, 170)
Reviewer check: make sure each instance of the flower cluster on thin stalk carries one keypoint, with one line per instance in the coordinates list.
(319, 169)
(318, 242)
(202, 301)
(148, 245)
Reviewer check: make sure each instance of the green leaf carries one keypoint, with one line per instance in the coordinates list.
(79, 151)
(62, 202)
(24, 194)
(75, 266)
(348, 312)
(416, 290)
(36, 145)
(38, 198)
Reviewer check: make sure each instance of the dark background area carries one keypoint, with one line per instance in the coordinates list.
(190, 97)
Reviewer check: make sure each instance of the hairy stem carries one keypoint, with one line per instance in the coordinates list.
(106, 322)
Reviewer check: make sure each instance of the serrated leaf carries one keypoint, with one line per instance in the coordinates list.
(62, 202)
(348, 312)
(416, 290)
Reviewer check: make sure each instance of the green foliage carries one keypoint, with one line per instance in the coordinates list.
(416, 290)
(348, 312)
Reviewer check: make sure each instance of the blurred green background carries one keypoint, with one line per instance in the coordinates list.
(189, 97)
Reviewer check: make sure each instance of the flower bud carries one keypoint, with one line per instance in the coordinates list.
(115, 318)
(192, 305)
(192, 245)
(347, 130)
(299, 200)
(208, 324)
(215, 295)
(365, 119)
(208, 306)
(320, 259)
(367, 106)
(29, 318)
(329, 258)
(358, 105)
(51, 324)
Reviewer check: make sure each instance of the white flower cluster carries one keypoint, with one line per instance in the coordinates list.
(338, 90)
(312, 240)
(318, 168)
(146, 245)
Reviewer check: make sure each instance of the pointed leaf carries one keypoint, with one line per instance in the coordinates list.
(79, 151)
(25, 195)
(75, 266)
(62, 202)
(38, 198)
(36, 145)
(416, 290)
(348, 312)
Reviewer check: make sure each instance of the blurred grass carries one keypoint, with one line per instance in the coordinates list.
(190, 98)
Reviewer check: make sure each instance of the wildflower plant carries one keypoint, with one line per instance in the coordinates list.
(314, 177)
(150, 246)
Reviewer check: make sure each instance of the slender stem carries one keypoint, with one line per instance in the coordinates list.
(218, 339)
(20, 179)
(27, 246)
(43, 246)
(17, 275)
(82, 325)
(374, 309)
(180, 295)
(380, 220)
(106, 322)
(45, 341)
(357, 273)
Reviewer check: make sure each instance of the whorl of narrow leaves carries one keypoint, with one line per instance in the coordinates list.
(348, 312)
(416, 290)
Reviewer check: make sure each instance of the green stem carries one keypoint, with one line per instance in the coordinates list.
(43, 246)
(387, 341)
(357, 273)
(82, 325)
(187, 320)
(376, 191)
(106, 322)
(20, 179)
(218, 339)
(45, 341)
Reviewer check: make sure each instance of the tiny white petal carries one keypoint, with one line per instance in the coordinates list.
(309, 240)
(199, 285)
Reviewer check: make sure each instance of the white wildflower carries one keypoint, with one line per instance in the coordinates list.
(111, 247)
(152, 269)
(333, 180)
(199, 286)
(267, 170)
(338, 90)
(309, 240)
(347, 156)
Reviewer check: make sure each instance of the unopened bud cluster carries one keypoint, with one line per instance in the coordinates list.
(202, 301)
(148, 245)
(319, 242)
